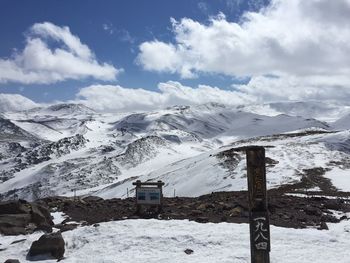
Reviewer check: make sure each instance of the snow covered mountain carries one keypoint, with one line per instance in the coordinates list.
(195, 150)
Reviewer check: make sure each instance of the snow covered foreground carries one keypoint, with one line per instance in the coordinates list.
(165, 241)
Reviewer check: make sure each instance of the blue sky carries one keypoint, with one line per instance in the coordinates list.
(169, 52)
(113, 30)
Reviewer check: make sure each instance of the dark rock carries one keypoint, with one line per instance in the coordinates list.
(15, 220)
(13, 231)
(92, 199)
(196, 212)
(226, 206)
(107, 149)
(237, 211)
(333, 205)
(188, 251)
(14, 207)
(96, 225)
(18, 241)
(302, 218)
(202, 219)
(285, 217)
(12, 261)
(14, 224)
(344, 217)
(270, 162)
(51, 245)
(21, 217)
(201, 207)
(329, 218)
(313, 211)
(323, 226)
(66, 227)
(210, 206)
(42, 218)
(224, 218)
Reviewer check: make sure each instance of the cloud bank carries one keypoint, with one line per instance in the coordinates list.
(116, 98)
(259, 90)
(288, 38)
(69, 59)
(15, 102)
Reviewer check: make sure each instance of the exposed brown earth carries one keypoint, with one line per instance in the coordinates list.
(285, 210)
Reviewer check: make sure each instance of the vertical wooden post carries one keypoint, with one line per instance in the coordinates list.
(160, 207)
(138, 206)
(258, 211)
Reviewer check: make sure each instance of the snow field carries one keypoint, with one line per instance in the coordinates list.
(154, 241)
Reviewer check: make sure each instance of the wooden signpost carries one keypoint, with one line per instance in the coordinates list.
(258, 211)
(149, 194)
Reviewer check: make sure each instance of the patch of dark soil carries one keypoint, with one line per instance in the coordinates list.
(315, 178)
(311, 178)
(270, 162)
(232, 207)
(229, 160)
(342, 164)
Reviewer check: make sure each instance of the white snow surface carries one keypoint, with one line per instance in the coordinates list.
(340, 178)
(136, 241)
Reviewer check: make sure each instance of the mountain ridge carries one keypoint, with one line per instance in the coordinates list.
(185, 146)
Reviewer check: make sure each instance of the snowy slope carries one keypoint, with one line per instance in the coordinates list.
(224, 170)
(186, 147)
(342, 123)
(325, 111)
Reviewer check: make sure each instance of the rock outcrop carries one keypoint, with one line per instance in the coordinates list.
(47, 246)
(21, 217)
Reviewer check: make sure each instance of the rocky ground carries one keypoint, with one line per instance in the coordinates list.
(285, 210)
(288, 207)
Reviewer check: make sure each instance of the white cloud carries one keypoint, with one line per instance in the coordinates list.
(125, 36)
(15, 102)
(161, 57)
(117, 98)
(261, 89)
(233, 5)
(308, 88)
(289, 37)
(38, 63)
(203, 7)
(108, 28)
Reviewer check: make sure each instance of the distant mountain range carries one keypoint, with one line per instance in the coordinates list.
(62, 148)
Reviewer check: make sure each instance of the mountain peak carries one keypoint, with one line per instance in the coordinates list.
(70, 108)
